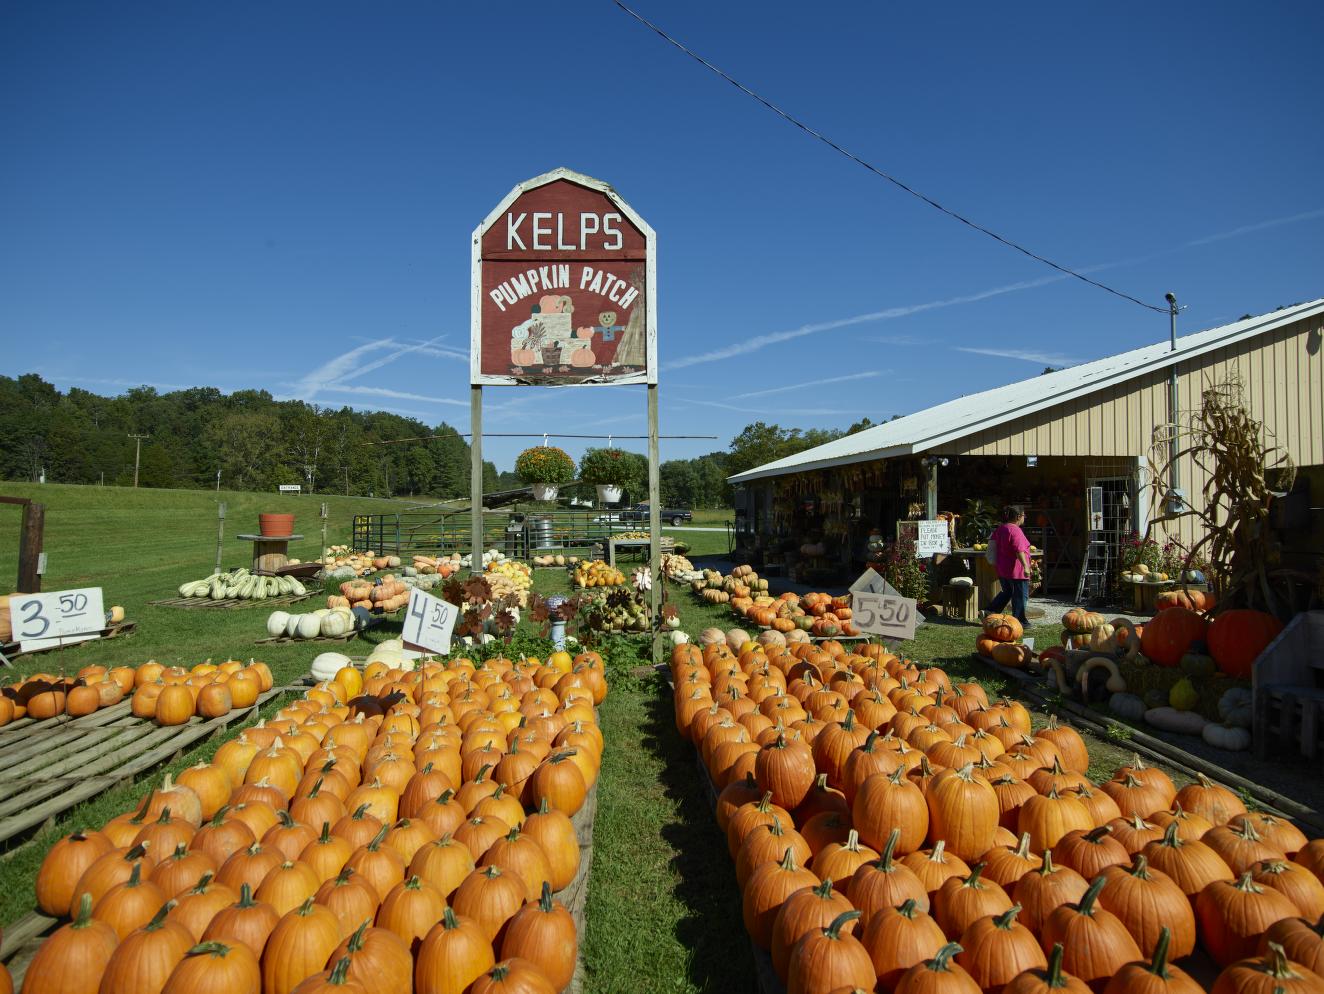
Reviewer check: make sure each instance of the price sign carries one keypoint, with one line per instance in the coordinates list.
(429, 622)
(42, 620)
(932, 538)
(884, 614)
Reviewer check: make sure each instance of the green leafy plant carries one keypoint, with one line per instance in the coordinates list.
(605, 467)
(977, 523)
(545, 464)
(899, 567)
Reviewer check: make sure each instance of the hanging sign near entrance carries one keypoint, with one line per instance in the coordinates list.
(932, 539)
(563, 288)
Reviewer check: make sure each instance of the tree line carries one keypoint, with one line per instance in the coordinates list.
(256, 442)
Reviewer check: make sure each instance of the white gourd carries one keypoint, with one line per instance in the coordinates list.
(391, 644)
(292, 626)
(334, 624)
(276, 623)
(328, 664)
(310, 626)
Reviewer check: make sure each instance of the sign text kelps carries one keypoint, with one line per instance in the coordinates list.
(564, 285)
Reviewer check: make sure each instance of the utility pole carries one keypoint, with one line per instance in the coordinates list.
(137, 451)
(1176, 499)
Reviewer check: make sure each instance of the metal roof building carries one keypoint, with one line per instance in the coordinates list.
(1096, 421)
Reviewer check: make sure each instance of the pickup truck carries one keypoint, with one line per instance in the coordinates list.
(671, 515)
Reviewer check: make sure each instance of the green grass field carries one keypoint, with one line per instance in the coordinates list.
(663, 911)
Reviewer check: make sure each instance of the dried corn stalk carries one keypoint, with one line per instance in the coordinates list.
(1244, 553)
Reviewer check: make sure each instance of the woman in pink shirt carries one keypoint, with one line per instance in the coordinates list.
(1012, 551)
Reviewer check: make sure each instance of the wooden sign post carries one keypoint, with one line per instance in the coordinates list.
(564, 293)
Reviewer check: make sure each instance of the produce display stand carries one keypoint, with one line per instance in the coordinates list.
(24, 936)
(1162, 751)
(270, 554)
(232, 603)
(14, 649)
(635, 545)
(102, 758)
(48, 767)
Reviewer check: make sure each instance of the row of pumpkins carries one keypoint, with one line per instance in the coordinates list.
(325, 622)
(819, 614)
(894, 830)
(391, 832)
(169, 695)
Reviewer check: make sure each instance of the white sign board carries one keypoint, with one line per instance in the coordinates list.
(290, 488)
(429, 622)
(44, 620)
(888, 615)
(933, 538)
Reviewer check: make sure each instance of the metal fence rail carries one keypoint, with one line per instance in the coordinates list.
(517, 534)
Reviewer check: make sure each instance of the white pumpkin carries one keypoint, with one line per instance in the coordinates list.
(292, 626)
(322, 612)
(411, 571)
(310, 626)
(396, 644)
(276, 623)
(1226, 736)
(391, 657)
(392, 561)
(328, 664)
(334, 624)
(679, 638)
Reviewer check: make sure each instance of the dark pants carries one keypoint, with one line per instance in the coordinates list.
(1016, 591)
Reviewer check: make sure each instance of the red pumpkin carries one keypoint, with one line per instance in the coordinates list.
(1237, 637)
(1169, 635)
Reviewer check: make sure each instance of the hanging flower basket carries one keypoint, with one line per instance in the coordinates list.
(609, 493)
(545, 467)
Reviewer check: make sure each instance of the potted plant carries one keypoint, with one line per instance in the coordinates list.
(608, 470)
(545, 467)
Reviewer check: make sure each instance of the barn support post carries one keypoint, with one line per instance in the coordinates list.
(220, 534)
(654, 526)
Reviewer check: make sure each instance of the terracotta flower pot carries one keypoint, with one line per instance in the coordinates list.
(275, 525)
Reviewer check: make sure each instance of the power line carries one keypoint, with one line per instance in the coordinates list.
(878, 172)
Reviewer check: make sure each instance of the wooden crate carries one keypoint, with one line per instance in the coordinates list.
(48, 767)
(231, 603)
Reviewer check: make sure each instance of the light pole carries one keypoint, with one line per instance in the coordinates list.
(1176, 499)
(137, 451)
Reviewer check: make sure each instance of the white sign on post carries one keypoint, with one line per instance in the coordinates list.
(887, 615)
(429, 622)
(44, 620)
(933, 538)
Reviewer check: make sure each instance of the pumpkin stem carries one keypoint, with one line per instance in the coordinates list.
(203, 883)
(824, 890)
(1170, 837)
(1158, 966)
(180, 852)
(159, 918)
(339, 972)
(165, 817)
(447, 918)
(833, 931)
(852, 841)
(317, 788)
(138, 851)
(481, 775)
(907, 908)
(135, 876)
(1086, 905)
(427, 768)
(1247, 884)
(938, 853)
(356, 940)
(84, 917)
(868, 743)
(325, 837)
(1008, 917)
(1096, 835)
(885, 857)
(500, 792)
(444, 797)
(415, 883)
(246, 896)
(285, 820)
(378, 839)
(545, 898)
(342, 878)
(1023, 850)
(942, 959)
(1055, 980)
(359, 812)
(1046, 868)
(776, 827)
(976, 872)
(218, 818)
(897, 775)
(306, 908)
(499, 972)
(788, 860)
(765, 802)
(1279, 967)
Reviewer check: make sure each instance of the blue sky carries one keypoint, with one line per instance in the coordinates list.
(281, 196)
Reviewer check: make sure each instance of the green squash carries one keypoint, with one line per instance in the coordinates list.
(1198, 664)
(1184, 696)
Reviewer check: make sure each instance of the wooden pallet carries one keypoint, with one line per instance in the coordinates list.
(15, 649)
(49, 767)
(231, 603)
(23, 937)
(280, 639)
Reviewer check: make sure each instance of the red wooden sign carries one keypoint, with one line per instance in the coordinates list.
(563, 281)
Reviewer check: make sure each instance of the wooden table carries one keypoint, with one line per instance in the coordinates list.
(269, 553)
(986, 574)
